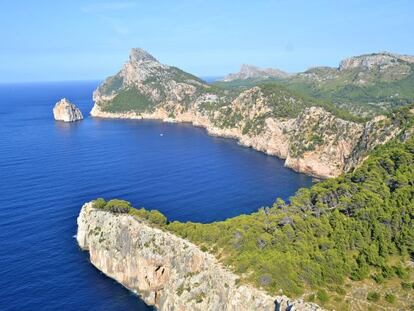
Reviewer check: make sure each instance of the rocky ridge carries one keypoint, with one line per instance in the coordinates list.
(364, 69)
(165, 270)
(369, 61)
(275, 121)
(253, 72)
(66, 111)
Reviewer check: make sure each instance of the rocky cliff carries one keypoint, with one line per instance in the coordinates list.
(269, 118)
(165, 270)
(66, 111)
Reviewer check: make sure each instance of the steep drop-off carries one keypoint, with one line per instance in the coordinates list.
(165, 270)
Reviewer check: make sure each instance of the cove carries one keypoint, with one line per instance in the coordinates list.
(49, 169)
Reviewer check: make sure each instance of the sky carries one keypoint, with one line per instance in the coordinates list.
(83, 40)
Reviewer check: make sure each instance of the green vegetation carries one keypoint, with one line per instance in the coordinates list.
(114, 206)
(181, 76)
(373, 296)
(243, 84)
(129, 100)
(359, 91)
(288, 103)
(340, 229)
(390, 298)
(111, 84)
(124, 207)
(382, 91)
(322, 296)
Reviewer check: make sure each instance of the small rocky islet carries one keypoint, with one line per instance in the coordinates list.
(66, 111)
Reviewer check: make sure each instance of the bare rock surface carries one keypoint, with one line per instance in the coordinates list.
(66, 111)
(165, 270)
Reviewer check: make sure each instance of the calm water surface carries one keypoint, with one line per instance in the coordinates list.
(49, 169)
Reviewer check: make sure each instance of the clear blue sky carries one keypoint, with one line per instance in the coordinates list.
(79, 40)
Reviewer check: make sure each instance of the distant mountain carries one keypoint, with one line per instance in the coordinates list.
(365, 85)
(369, 84)
(252, 72)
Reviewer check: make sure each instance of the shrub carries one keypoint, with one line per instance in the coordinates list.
(99, 203)
(401, 272)
(378, 278)
(157, 218)
(152, 216)
(311, 298)
(390, 298)
(322, 295)
(118, 206)
(373, 296)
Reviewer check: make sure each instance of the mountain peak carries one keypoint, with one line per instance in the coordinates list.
(140, 55)
(247, 68)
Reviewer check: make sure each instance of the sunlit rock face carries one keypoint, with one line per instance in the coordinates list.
(165, 270)
(66, 111)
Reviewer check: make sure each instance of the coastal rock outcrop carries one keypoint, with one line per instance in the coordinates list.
(166, 270)
(66, 111)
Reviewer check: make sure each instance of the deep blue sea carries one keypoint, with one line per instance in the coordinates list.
(49, 169)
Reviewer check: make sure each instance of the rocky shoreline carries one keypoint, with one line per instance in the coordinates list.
(313, 138)
(274, 141)
(167, 271)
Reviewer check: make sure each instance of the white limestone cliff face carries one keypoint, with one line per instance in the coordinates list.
(66, 111)
(165, 270)
(280, 137)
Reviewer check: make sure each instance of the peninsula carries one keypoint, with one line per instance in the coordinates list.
(317, 137)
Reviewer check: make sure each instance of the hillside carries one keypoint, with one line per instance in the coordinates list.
(314, 136)
(365, 85)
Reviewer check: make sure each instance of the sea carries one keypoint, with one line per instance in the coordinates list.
(49, 169)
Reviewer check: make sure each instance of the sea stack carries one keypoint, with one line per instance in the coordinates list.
(66, 111)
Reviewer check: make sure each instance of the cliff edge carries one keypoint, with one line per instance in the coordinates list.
(166, 270)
